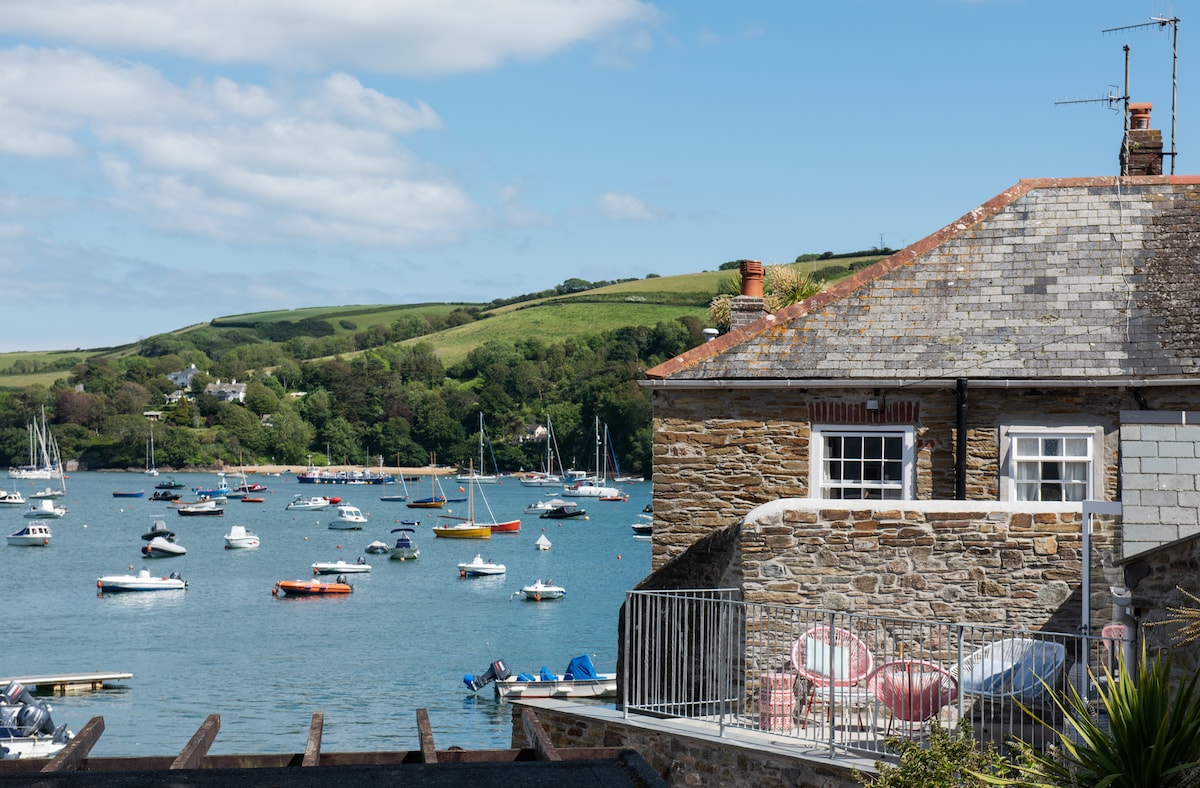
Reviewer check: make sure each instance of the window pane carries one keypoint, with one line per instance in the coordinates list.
(1075, 447)
(1028, 447)
(853, 448)
(893, 448)
(873, 448)
(1051, 447)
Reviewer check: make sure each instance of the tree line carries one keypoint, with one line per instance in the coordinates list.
(392, 401)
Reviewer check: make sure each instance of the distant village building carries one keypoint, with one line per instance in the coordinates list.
(183, 378)
(227, 392)
(176, 395)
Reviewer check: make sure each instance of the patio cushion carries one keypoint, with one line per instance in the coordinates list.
(817, 659)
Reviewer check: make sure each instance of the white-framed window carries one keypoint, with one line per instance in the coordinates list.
(862, 463)
(1050, 463)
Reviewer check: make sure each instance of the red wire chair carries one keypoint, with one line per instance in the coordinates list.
(835, 663)
(913, 690)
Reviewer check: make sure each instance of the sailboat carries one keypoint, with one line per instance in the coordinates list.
(471, 528)
(597, 488)
(546, 478)
(479, 477)
(397, 496)
(43, 454)
(151, 468)
(434, 501)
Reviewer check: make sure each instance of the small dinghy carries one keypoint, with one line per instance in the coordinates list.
(378, 548)
(142, 581)
(541, 592)
(340, 567)
(312, 587)
(542, 543)
(239, 538)
(579, 680)
(477, 567)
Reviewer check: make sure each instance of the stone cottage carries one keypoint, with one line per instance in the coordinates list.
(929, 437)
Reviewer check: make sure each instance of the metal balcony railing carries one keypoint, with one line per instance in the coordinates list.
(844, 682)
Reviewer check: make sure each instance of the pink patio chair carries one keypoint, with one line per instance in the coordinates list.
(913, 690)
(835, 663)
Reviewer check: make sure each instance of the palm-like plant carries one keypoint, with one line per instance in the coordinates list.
(783, 285)
(1152, 738)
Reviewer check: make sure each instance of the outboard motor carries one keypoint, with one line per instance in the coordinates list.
(15, 694)
(34, 718)
(497, 671)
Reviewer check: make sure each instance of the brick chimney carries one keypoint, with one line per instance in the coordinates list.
(750, 305)
(1142, 150)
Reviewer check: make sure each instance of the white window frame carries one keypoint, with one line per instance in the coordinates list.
(818, 484)
(1095, 454)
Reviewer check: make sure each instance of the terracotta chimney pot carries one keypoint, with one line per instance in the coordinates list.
(1139, 115)
(752, 278)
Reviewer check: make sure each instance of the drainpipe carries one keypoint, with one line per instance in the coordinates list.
(960, 448)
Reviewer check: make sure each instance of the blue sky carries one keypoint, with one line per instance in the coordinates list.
(165, 162)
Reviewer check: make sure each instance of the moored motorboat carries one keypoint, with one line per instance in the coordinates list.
(26, 729)
(11, 498)
(165, 495)
(253, 499)
(142, 581)
(579, 680)
(341, 567)
(316, 502)
(537, 507)
(541, 592)
(128, 493)
(159, 528)
(312, 587)
(239, 538)
(169, 484)
(201, 509)
(36, 533)
(406, 549)
(348, 518)
(160, 547)
(49, 492)
(564, 512)
(478, 567)
(45, 508)
(644, 526)
(378, 548)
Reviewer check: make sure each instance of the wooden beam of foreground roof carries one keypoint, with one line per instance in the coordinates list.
(425, 735)
(192, 755)
(312, 750)
(546, 751)
(71, 757)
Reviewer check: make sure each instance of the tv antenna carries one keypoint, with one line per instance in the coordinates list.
(1160, 22)
(1111, 100)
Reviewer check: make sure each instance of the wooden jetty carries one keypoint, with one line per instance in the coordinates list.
(540, 765)
(69, 682)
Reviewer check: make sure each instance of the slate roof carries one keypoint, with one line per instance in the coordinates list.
(1095, 278)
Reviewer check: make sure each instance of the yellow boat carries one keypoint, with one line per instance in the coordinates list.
(463, 531)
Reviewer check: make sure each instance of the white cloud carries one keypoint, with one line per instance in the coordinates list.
(626, 207)
(235, 161)
(410, 37)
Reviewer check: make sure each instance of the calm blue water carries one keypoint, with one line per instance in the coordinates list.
(401, 641)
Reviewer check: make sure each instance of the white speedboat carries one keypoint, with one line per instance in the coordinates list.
(348, 518)
(477, 567)
(644, 526)
(340, 567)
(406, 549)
(11, 498)
(26, 730)
(161, 547)
(314, 503)
(49, 492)
(538, 507)
(142, 581)
(239, 538)
(36, 533)
(45, 508)
(579, 680)
(541, 592)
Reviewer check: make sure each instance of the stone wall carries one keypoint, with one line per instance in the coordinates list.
(719, 453)
(694, 761)
(1012, 565)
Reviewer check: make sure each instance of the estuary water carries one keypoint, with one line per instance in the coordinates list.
(401, 641)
